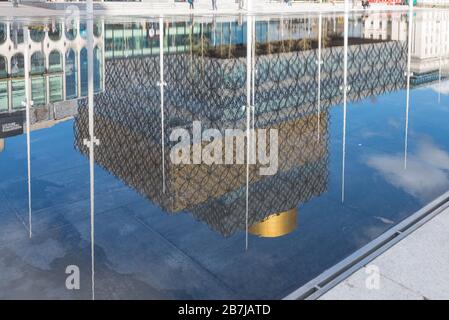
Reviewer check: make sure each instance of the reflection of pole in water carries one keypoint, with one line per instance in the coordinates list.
(345, 91)
(92, 140)
(309, 26)
(440, 47)
(319, 73)
(249, 49)
(2, 145)
(282, 29)
(253, 72)
(27, 104)
(15, 37)
(407, 103)
(161, 85)
(335, 23)
(214, 30)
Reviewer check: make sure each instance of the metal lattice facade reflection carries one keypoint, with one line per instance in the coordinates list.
(212, 90)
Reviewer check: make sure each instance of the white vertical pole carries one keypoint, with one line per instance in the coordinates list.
(214, 31)
(27, 104)
(440, 49)
(92, 142)
(249, 36)
(78, 74)
(64, 84)
(253, 72)
(103, 58)
(9, 93)
(346, 6)
(319, 73)
(8, 69)
(407, 103)
(345, 92)
(335, 23)
(162, 84)
(282, 28)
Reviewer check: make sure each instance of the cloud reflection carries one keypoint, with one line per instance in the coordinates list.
(442, 88)
(427, 173)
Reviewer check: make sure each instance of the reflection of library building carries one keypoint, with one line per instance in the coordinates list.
(58, 63)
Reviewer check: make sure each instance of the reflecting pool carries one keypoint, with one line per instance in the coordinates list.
(350, 112)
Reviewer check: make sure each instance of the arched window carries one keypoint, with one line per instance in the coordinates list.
(71, 31)
(98, 29)
(71, 74)
(17, 85)
(3, 84)
(55, 32)
(4, 101)
(84, 76)
(55, 80)
(37, 33)
(18, 93)
(55, 61)
(17, 65)
(56, 90)
(83, 29)
(3, 33)
(98, 69)
(37, 63)
(16, 33)
(3, 67)
(38, 83)
(38, 90)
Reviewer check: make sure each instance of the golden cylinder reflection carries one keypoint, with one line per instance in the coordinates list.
(2, 145)
(276, 225)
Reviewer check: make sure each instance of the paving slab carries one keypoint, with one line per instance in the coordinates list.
(415, 268)
(354, 288)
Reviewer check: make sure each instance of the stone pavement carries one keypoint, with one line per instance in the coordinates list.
(415, 268)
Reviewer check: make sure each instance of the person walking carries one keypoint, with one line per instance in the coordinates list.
(191, 4)
(214, 5)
